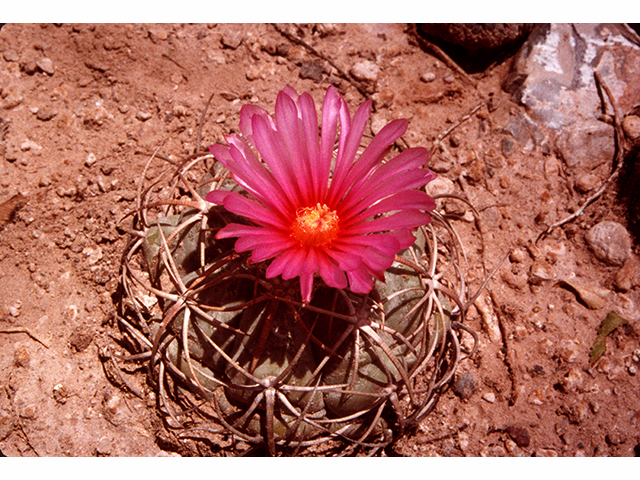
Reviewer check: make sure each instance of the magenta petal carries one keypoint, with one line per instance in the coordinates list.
(306, 286)
(376, 151)
(404, 200)
(345, 259)
(347, 152)
(216, 196)
(404, 219)
(332, 275)
(360, 281)
(236, 203)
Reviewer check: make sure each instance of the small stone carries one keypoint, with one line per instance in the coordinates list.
(489, 397)
(464, 386)
(312, 70)
(631, 127)
(568, 351)
(519, 435)
(60, 393)
(29, 67)
(517, 255)
(536, 397)
(592, 297)
(573, 381)
(587, 182)
(30, 412)
(14, 311)
(546, 452)
(143, 116)
(365, 71)
(21, 357)
(104, 446)
(508, 146)
(428, 77)
(541, 271)
(440, 186)
(610, 242)
(6, 424)
(10, 56)
(510, 445)
(45, 65)
(90, 160)
(112, 405)
(45, 114)
(80, 340)
(628, 276)
(232, 39)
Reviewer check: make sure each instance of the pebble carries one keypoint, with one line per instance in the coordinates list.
(30, 412)
(628, 276)
(45, 64)
(568, 351)
(519, 435)
(79, 340)
(464, 386)
(536, 397)
(573, 381)
(10, 56)
(60, 393)
(90, 160)
(631, 126)
(610, 242)
(45, 114)
(546, 452)
(143, 116)
(366, 71)
(592, 297)
(232, 39)
(104, 446)
(540, 272)
(21, 357)
(587, 182)
(489, 397)
(428, 77)
(440, 186)
(517, 255)
(312, 70)
(112, 405)
(586, 144)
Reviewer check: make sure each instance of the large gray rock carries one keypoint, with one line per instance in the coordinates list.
(610, 242)
(553, 77)
(553, 71)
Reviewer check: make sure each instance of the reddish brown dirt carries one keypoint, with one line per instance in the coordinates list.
(74, 144)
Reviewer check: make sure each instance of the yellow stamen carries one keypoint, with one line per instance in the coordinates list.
(315, 226)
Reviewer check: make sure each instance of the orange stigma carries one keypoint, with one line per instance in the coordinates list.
(315, 226)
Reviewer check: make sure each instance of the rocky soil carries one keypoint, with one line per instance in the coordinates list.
(82, 107)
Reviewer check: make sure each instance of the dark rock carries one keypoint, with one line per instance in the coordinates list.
(464, 386)
(312, 70)
(478, 36)
(80, 340)
(520, 435)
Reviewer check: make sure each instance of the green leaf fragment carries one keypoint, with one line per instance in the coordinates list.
(608, 325)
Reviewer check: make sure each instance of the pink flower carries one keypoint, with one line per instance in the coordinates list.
(342, 217)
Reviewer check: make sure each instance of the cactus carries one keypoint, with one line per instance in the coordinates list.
(232, 352)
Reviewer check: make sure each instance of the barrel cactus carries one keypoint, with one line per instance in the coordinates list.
(334, 319)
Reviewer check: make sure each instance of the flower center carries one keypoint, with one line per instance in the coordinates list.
(315, 226)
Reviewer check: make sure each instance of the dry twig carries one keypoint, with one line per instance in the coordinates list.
(28, 332)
